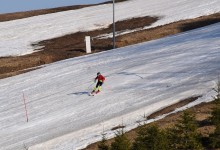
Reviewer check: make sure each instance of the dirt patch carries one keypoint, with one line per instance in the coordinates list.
(64, 47)
(173, 107)
(166, 30)
(202, 112)
(117, 127)
(200, 23)
(73, 45)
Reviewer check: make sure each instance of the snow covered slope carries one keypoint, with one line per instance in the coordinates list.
(17, 36)
(140, 79)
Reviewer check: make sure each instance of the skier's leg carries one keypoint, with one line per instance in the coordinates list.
(99, 87)
(94, 89)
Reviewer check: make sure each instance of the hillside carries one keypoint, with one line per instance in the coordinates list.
(57, 93)
(141, 79)
(72, 44)
(26, 14)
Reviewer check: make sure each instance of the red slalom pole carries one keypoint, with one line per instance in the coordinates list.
(25, 106)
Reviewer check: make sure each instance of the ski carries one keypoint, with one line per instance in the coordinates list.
(92, 94)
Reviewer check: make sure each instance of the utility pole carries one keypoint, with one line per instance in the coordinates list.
(113, 24)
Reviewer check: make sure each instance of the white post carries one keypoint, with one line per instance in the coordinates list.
(88, 44)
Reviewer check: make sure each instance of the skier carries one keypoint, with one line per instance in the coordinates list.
(100, 78)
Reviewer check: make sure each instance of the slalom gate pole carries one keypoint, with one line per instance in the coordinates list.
(25, 106)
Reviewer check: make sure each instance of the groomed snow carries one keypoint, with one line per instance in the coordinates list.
(140, 79)
(17, 36)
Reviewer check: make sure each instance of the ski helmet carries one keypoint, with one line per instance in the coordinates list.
(98, 73)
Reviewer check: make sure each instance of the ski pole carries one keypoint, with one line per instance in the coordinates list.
(90, 85)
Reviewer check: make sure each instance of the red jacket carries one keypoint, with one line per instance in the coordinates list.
(100, 78)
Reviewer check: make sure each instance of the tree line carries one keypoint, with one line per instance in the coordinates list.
(183, 135)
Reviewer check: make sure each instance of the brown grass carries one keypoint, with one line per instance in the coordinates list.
(172, 107)
(61, 48)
